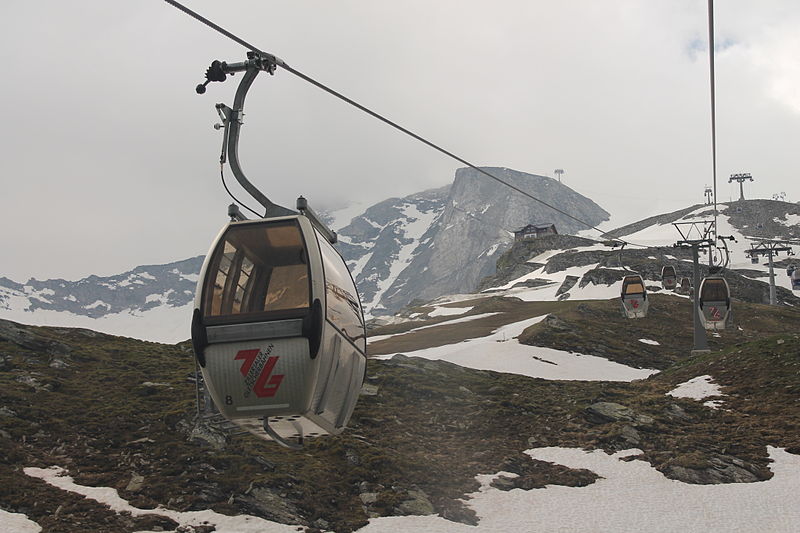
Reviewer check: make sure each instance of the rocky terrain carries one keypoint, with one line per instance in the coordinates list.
(120, 413)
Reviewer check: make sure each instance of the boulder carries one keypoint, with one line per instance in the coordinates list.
(605, 412)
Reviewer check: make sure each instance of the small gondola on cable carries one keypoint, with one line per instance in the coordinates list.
(669, 279)
(714, 293)
(794, 275)
(278, 329)
(633, 294)
(714, 302)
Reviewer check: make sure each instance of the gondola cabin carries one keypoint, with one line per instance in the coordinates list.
(794, 276)
(634, 297)
(669, 279)
(278, 330)
(714, 302)
(685, 287)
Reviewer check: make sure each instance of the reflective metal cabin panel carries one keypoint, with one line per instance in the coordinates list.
(341, 370)
(256, 378)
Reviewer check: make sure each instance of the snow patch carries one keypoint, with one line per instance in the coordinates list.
(17, 523)
(649, 341)
(448, 311)
(791, 220)
(699, 388)
(502, 352)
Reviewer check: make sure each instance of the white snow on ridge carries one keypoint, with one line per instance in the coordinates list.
(416, 224)
(650, 341)
(162, 324)
(502, 352)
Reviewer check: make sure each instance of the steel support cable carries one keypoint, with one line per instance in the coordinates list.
(279, 62)
(713, 106)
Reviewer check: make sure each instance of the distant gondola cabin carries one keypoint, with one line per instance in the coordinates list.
(534, 231)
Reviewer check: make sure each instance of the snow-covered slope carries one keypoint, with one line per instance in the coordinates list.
(561, 267)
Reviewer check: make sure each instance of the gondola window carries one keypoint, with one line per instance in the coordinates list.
(261, 268)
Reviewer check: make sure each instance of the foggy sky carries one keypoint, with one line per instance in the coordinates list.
(110, 160)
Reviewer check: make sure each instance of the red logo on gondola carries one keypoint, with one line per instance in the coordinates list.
(256, 368)
(715, 314)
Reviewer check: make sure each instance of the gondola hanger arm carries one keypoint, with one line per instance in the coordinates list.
(232, 119)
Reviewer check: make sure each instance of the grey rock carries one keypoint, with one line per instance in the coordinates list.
(209, 436)
(59, 364)
(136, 483)
(416, 504)
(569, 282)
(27, 379)
(270, 505)
(675, 411)
(723, 469)
(321, 524)
(554, 322)
(503, 483)
(24, 337)
(368, 498)
(605, 412)
(5, 411)
(368, 389)
(630, 436)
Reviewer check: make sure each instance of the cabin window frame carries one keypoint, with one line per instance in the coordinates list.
(254, 316)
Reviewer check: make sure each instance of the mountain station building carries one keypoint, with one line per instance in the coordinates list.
(534, 231)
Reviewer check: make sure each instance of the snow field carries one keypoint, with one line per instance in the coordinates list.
(17, 523)
(502, 352)
(630, 496)
(164, 323)
(377, 338)
(447, 311)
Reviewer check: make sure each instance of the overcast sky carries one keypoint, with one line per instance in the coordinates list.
(110, 159)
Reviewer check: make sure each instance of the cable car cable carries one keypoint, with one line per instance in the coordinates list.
(280, 63)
